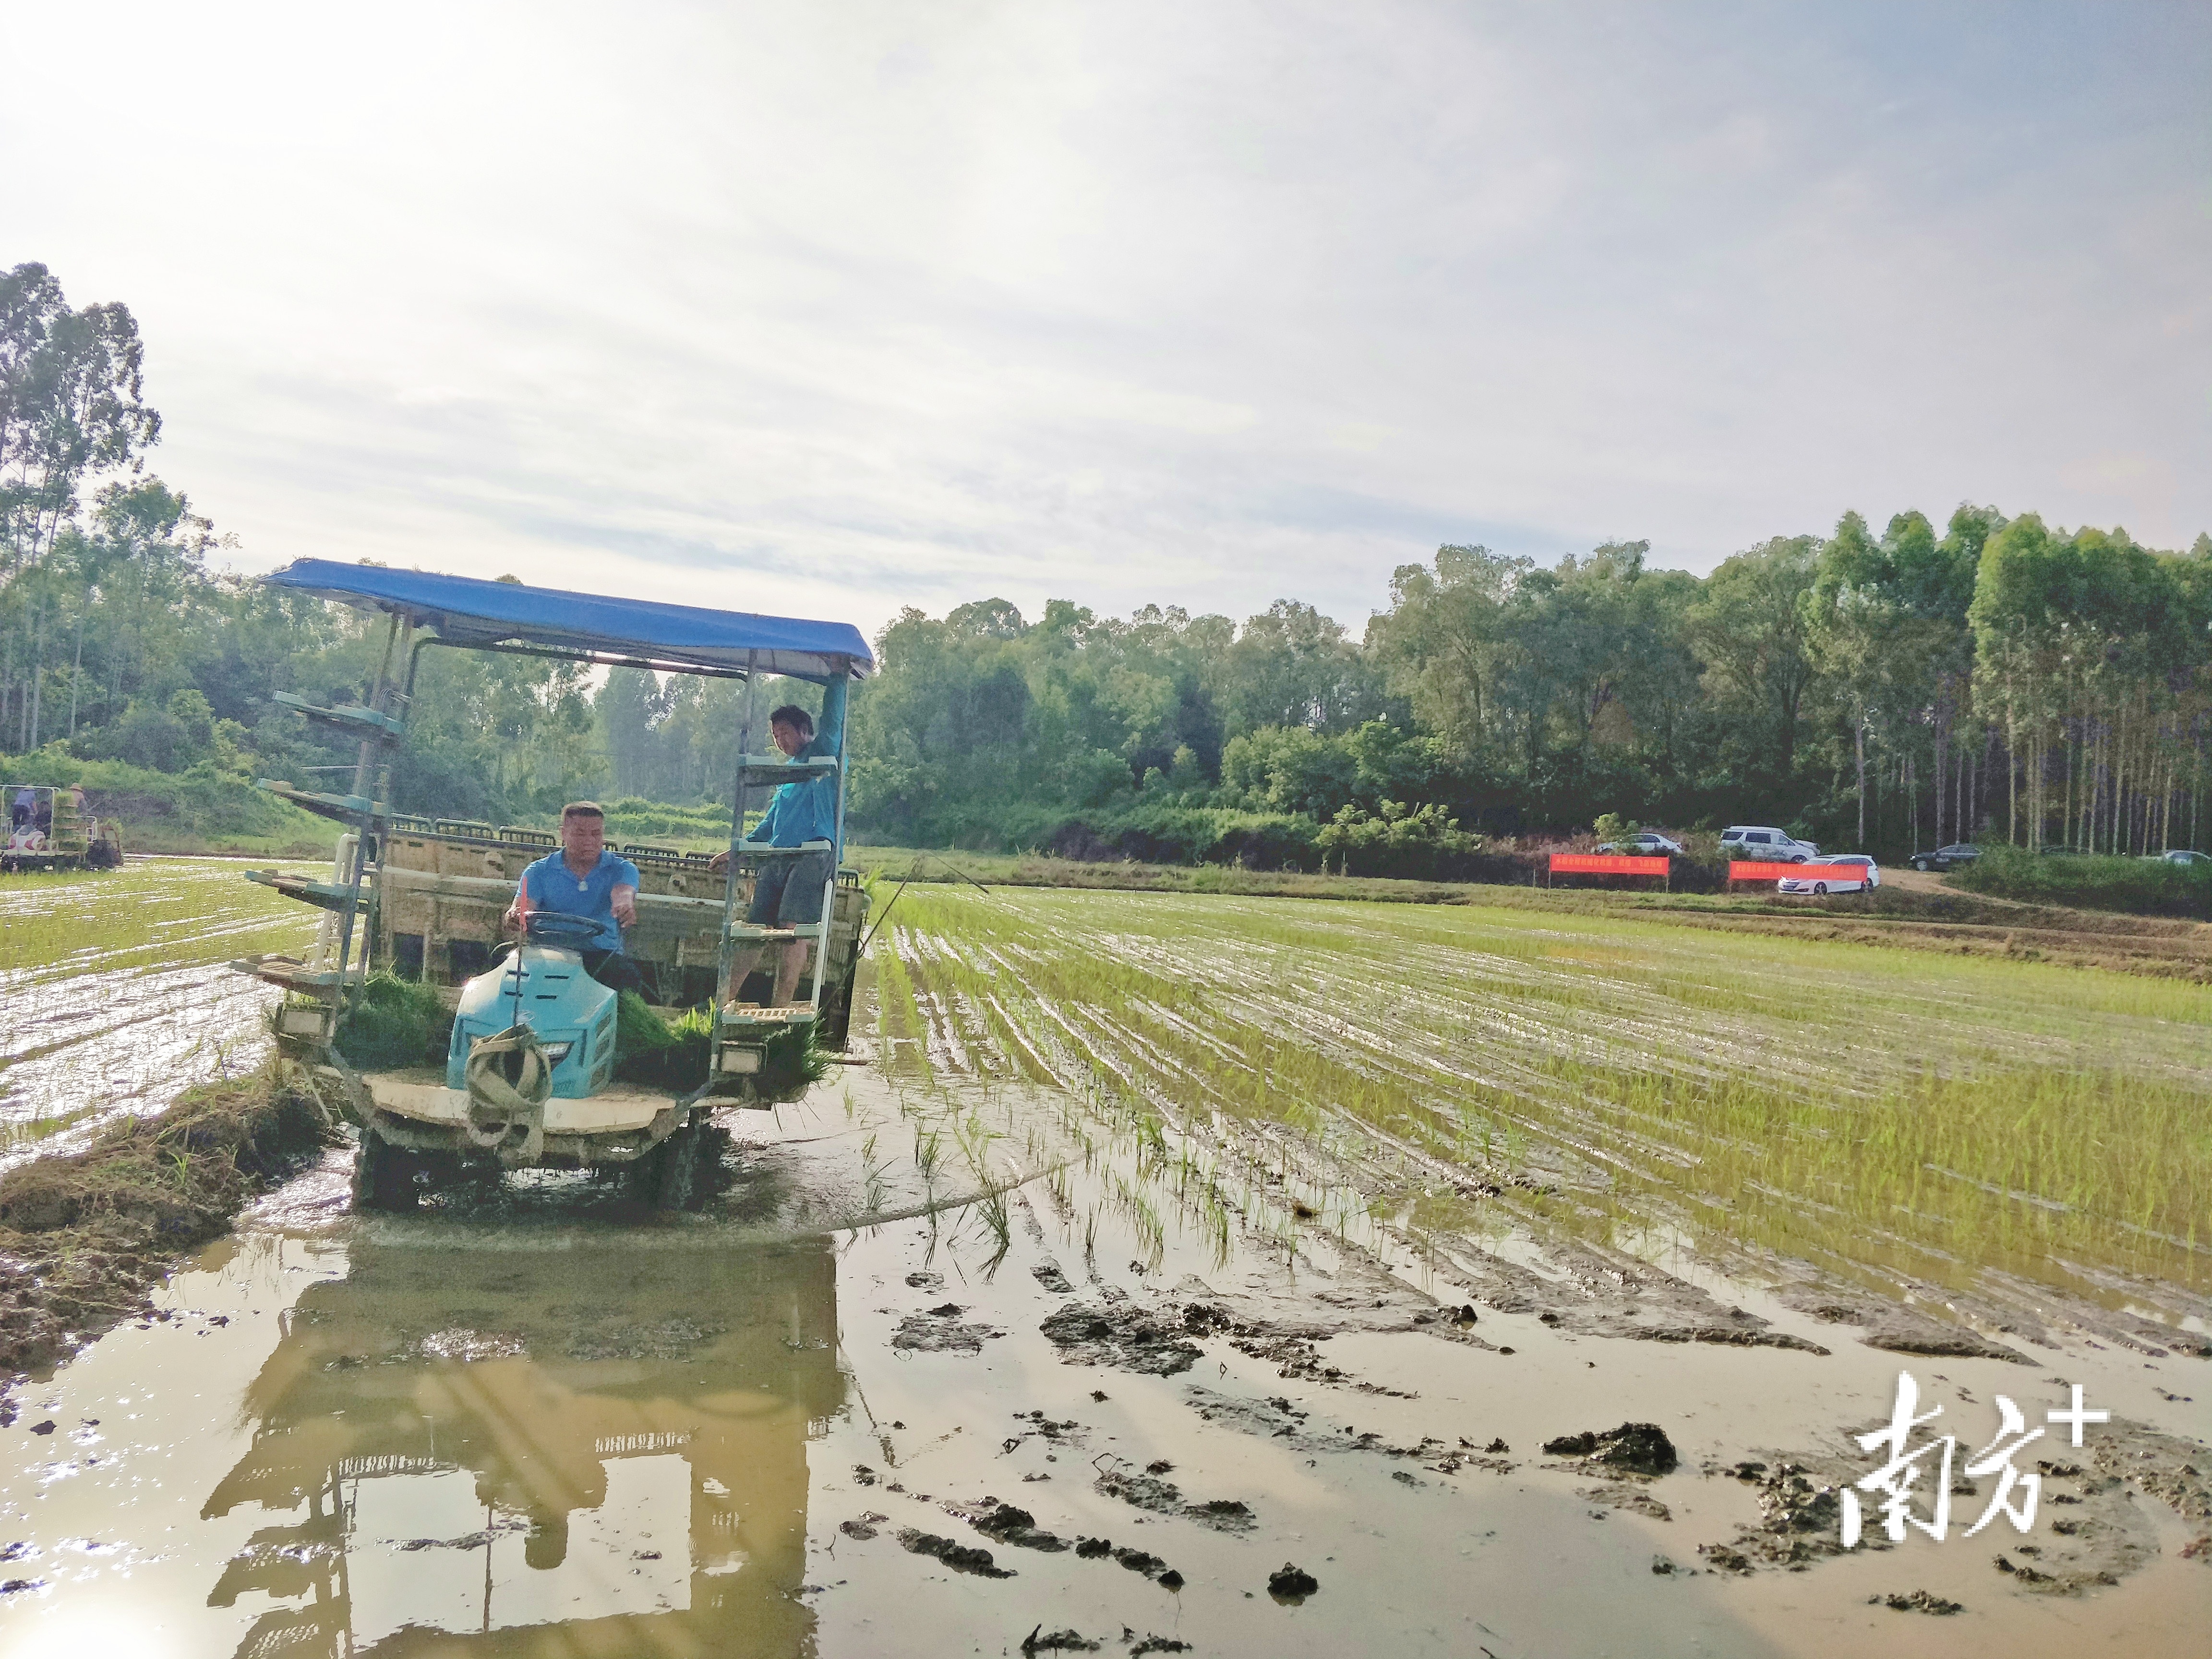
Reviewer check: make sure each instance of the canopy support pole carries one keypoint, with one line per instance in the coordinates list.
(374, 759)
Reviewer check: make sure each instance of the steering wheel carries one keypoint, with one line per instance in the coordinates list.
(562, 931)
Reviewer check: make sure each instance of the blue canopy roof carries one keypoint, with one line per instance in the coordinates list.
(468, 612)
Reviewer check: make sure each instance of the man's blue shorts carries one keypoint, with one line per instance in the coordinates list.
(788, 891)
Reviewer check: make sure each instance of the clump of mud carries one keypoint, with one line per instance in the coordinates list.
(1919, 1602)
(1150, 1492)
(1061, 1641)
(2095, 1534)
(940, 1331)
(1011, 1524)
(1899, 1329)
(961, 1558)
(1631, 1449)
(1799, 1515)
(1291, 1584)
(1123, 1335)
(83, 1238)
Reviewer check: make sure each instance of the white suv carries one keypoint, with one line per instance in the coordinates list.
(1762, 843)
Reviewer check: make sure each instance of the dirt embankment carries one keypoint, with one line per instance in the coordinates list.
(83, 1238)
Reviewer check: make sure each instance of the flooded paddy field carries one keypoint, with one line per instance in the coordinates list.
(2013, 1150)
(113, 999)
(1221, 1276)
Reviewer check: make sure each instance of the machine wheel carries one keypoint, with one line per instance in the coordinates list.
(383, 1174)
(682, 1180)
(640, 1176)
(673, 1175)
(839, 1024)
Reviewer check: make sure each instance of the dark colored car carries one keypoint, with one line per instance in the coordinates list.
(1945, 857)
(2186, 859)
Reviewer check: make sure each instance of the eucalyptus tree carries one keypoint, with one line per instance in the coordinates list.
(1445, 642)
(1750, 629)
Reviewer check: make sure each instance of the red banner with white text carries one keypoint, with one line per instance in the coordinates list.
(1605, 864)
(1744, 871)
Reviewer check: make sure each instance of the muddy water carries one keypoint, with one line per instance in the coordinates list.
(539, 1423)
(113, 998)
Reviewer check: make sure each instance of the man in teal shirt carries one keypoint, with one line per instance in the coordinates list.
(789, 890)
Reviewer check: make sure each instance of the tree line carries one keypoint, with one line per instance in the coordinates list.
(1996, 677)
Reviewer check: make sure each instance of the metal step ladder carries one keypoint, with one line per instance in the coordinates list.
(316, 990)
(743, 1031)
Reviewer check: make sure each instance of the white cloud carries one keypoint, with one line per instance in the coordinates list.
(830, 309)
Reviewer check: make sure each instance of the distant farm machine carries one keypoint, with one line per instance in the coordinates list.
(529, 1076)
(48, 829)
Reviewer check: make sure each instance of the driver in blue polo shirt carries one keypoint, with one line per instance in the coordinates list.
(585, 879)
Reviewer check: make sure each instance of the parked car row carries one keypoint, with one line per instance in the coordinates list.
(1949, 858)
(1741, 840)
(1762, 843)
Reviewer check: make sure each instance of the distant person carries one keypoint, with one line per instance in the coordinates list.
(789, 891)
(585, 879)
(26, 802)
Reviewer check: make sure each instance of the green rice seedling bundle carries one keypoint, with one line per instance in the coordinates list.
(391, 1023)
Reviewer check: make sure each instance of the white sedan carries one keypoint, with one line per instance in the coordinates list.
(1646, 843)
(1821, 886)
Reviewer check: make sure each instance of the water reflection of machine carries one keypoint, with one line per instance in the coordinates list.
(599, 1450)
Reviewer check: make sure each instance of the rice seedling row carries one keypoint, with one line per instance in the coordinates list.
(1906, 1122)
(114, 997)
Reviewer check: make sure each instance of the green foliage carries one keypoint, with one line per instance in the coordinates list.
(2142, 886)
(1611, 827)
(72, 408)
(206, 805)
(1396, 840)
(690, 828)
(391, 1023)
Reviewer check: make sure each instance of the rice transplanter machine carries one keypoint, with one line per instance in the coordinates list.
(528, 1080)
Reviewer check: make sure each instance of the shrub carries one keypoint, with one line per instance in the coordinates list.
(2149, 887)
(1396, 840)
(1612, 828)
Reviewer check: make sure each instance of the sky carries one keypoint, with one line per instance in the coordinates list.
(830, 309)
